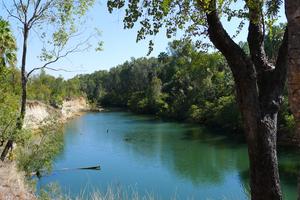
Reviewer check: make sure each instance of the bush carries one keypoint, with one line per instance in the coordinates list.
(286, 121)
(36, 153)
(195, 114)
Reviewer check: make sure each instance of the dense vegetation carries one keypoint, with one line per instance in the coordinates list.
(182, 84)
(9, 94)
(9, 104)
(51, 90)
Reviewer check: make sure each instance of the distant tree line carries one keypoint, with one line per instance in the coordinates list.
(51, 90)
(182, 83)
(42, 87)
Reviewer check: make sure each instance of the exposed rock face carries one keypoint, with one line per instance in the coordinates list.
(292, 9)
(73, 107)
(38, 113)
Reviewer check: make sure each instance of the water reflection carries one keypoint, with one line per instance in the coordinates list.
(187, 151)
(161, 157)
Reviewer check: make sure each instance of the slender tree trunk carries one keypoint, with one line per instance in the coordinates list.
(20, 120)
(292, 10)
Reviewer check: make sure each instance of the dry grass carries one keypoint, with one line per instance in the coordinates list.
(52, 191)
(117, 194)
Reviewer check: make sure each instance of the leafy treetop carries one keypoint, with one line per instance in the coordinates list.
(189, 16)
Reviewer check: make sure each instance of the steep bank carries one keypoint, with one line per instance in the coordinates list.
(38, 113)
(12, 184)
(74, 107)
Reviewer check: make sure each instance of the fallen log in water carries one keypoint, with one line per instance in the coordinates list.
(97, 167)
(91, 168)
(39, 173)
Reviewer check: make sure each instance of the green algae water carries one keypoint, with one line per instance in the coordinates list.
(151, 157)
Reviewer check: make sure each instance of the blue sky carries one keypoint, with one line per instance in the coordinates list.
(119, 44)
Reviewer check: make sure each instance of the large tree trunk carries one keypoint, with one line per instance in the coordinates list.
(260, 126)
(259, 89)
(20, 120)
(292, 10)
(264, 176)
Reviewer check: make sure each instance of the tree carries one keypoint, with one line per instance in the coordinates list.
(8, 102)
(259, 84)
(7, 46)
(273, 41)
(62, 15)
(292, 10)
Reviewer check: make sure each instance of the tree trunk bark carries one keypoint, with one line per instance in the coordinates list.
(20, 120)
(260, 125)
(292, 10)
(264, 176)
(24, 80)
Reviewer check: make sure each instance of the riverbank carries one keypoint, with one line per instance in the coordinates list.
(285, 136)
(39, 114)
(13, 185)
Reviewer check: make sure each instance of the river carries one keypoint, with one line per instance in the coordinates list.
(166, 160)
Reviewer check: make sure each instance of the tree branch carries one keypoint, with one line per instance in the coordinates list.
(59, 56)
(11, 14)
(242, 68)
(39, 13)
(256, 37)
(222, 41)
(37, 3)
(43, 67)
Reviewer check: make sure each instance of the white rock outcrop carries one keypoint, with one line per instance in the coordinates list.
(38, 113)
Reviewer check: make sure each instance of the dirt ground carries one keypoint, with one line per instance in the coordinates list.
(12, 184)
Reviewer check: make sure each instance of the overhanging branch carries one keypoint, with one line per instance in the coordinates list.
(256, 37)
(59, 55)
(224, 43)
(11, 14)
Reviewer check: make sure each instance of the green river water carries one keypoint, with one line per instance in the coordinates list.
(166, 160)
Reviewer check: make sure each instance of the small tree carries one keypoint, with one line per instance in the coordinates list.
(61, 16)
